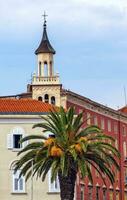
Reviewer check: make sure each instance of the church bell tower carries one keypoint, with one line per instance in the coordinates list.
(45, 83)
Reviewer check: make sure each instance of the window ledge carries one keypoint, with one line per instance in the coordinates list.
(53, 192)
(16, 150)
(19, 193)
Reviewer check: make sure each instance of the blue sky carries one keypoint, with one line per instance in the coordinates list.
(90, 39)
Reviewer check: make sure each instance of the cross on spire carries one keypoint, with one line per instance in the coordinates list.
(44, 15)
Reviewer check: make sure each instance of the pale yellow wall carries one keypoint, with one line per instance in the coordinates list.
(40, 190)
(42, 57)
(50, 90)
(42, 84)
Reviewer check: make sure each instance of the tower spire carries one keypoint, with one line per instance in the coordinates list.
(44, 15)
(45, 46)
(46, 84)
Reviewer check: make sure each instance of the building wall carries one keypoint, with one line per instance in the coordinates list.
(41, 90)
(40, 189)
(104, 117)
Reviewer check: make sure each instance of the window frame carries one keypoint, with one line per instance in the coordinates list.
(116, 127)
(53, 100)
(95, 120)
(124, 131)
(15, 177)
(102, 123)
(51, 187)
(17, 142)
(109, 125)
(46, 98)
(10, 138)
(88, 118)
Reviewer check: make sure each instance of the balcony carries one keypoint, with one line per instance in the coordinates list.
(47, 80)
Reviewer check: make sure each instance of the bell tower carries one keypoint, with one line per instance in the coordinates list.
(45, 83)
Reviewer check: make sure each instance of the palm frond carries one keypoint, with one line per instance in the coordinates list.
(79, 148)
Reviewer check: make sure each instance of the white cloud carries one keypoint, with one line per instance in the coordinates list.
(94, 15)
(73, 18)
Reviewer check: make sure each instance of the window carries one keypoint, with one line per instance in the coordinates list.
(90, 191)
(53, 100)
(97, 193)
(102, 123)
(46, 97)
(18, 183)
(111, 195)
(109, 125)
(40, 98)
(88, 118)
(117, 195)
(82, 193)
(39, 68)
(124, 130)
(53, 187)
(14, 137)
(95, 121)
(45, 69)
(51, 70)
(124, 149)
(16, 141)
(115, 128)
(104, 194)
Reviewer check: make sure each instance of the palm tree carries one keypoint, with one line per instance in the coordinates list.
(70, 150)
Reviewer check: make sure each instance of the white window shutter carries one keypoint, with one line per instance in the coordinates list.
(53, 187)
(23, 179)
(21, 184)
(15, 181)
(49, 182)
(15, 184)
(9, 141)
(25, 143)
(18, 183)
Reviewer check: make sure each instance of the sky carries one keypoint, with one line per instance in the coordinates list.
(90, 39)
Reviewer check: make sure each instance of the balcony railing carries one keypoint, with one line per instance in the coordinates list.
(45, 80)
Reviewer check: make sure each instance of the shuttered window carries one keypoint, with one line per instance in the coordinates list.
(104, 194)
(88, 118)
(124, 149)
(14, 137)
(95, 120)
(53, 187)
(102, 124)
(18, 183)
(109, 125)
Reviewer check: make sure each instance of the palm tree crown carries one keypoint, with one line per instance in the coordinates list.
(71, 149)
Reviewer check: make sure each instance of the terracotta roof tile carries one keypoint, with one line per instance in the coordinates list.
(124, 109)
(24, 106)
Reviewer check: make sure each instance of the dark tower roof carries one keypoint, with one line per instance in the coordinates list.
(45, 46)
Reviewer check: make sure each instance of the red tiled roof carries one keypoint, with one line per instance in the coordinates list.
(124, 109)
(24, 106)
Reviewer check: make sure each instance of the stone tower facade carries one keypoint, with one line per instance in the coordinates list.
(46, 85)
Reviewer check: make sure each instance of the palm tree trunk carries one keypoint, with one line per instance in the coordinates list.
(67, 184)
